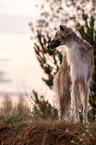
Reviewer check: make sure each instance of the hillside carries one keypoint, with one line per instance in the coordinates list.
(48, 133)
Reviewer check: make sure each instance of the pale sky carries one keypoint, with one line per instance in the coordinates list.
(16, 14)
(19, 68)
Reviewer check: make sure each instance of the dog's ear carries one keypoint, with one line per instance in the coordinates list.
(61, 27)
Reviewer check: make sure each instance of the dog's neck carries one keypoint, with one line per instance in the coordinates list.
(79, 45)
(71, 46)
(72, 51)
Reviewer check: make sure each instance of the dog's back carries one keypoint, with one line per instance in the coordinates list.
(62, 84)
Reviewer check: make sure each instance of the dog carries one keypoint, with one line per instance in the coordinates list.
(75, 71)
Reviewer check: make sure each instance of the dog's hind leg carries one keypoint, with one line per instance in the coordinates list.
(85, 103)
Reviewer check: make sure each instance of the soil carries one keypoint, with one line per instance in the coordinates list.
(39, 135)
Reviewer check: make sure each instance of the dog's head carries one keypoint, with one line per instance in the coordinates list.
(63, 35)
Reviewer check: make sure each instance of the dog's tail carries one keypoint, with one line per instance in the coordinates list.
(62, 83)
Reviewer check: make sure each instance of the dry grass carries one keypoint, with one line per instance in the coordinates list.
(10, 114)
(45, 116)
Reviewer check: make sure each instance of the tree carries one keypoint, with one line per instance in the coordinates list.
(81, 16)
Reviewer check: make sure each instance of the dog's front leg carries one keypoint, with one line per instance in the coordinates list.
(85, 104)
(75, 97)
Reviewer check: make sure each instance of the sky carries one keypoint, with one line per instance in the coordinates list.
(19, 69)
(16, 14)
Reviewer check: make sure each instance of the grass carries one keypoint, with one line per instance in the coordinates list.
(12, 115)
(45, 116)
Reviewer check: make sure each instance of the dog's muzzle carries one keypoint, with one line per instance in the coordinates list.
(54, 43)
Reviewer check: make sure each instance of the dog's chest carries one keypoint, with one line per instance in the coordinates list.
(78, 65)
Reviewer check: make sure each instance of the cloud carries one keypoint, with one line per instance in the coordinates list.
(2, 78)
(14, 24)
(19, 7)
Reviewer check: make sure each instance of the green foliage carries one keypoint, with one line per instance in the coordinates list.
(42, 109)
(47, 58)
(82, 18)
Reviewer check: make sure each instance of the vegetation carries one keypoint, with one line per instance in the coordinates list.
(19, 125)
(41, 109)
(10, 114)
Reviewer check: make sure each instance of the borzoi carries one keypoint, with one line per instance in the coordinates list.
(75, 71)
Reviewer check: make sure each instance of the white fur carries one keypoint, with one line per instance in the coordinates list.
(79, 73)
(78, 65)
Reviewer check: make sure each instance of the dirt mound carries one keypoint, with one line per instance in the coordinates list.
(40, 135)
